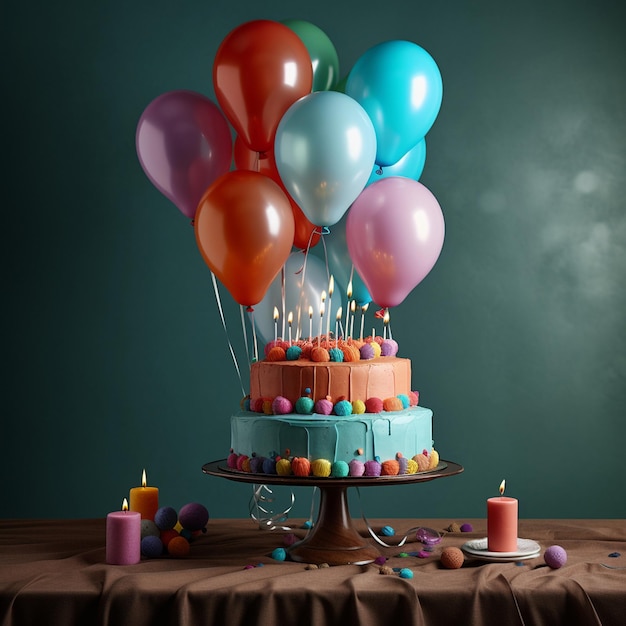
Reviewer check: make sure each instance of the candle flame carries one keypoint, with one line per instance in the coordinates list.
(339, 314)
(125, 505)
(331, 285)
(353, 306)
(323, 297)
(502, 484)
(386, 317)
(349, 290)
(365, 307)
(290, 318)
(310, 312)
(275, 313)
(144, 482)
(322, 310)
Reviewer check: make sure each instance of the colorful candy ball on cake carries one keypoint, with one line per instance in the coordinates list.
(293, 353)
(357, 468)
(392, 404)
(340, 469)
(452, 558)
(269, 466)
(390, 467)
(256, 464)
(372, 468)
(324, 406)
(281, 406)
(165, 518)
(343, 408)
(414, 398)
(433, 459)
(422, 462)
(301, 466)
(389, 347)
(231, 461)
(283, 467)
(321, 468)
(320, 355)
(358, 407)
(193, 516)
(336, 355)
(277, 353)
(305, 405)
(373, 405)
(367, 352)
(555, 557)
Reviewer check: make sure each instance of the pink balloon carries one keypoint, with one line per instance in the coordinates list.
(184, 144)
(394, 232)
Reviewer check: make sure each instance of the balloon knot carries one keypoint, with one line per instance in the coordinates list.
(249, 309)
(262, 155)
(380, 314)
(379, 171)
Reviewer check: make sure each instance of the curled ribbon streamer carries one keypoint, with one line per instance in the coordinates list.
(230, 345)
(263, 516)
(428, 534)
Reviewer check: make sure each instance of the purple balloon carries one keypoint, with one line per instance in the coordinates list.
(183, 143)
(394, 231)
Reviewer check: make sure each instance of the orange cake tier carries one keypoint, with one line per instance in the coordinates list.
(383, 377)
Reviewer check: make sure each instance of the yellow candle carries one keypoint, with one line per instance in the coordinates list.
(144, 499)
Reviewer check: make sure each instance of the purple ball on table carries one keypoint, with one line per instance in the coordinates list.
(193, 516)
(555, 557)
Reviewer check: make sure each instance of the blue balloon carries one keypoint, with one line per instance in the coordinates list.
(399, 85)
(324, 149)
(411, 165)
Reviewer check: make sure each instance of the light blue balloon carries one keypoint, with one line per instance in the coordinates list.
(411, 165)
(340, 263)
(399, 85)
(325, 149)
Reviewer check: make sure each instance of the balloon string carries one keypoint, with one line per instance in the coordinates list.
(265, 517)
(243, 330)
(282, 297)
(254, 341)
(230, 345)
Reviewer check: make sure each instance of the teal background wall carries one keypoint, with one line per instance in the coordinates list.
(114, 355)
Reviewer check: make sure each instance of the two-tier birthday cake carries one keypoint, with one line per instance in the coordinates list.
(332, 408)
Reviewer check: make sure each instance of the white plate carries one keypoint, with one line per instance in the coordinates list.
(526, 549)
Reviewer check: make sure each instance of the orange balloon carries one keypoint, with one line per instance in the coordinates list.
(306, 234)
(260, 69)
(244, 229)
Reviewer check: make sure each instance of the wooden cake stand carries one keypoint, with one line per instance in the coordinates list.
(333, 538)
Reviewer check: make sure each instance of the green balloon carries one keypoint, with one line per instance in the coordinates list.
(324, 58)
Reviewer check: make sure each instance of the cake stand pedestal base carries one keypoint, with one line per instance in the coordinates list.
(333, 539)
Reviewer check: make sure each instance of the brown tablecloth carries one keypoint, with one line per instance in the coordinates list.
(54, 572)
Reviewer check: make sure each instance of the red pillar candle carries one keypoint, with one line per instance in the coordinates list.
(144, 499)
(123, 537)
(502, 523)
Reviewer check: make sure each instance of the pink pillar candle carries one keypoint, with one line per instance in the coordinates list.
(123, 537)
(502, 523)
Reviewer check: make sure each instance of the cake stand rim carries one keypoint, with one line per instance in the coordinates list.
(444, 469)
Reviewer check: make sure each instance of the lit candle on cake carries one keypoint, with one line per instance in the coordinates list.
(290, 322)
(352, 312)
(319, 336)
(385, 322)
(123, 536)
(331, 288)
(349, 294)
(337, 320)
(310, 323)
(275, 323)
(363, 311)
(502, 523)
(144, 499)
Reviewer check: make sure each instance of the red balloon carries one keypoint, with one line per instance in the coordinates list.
(260, 69)
(306, 234)
(244, 229)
